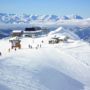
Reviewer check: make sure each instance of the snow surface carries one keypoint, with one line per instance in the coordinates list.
(63, 66)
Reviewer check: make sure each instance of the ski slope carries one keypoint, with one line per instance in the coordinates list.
(64, 66)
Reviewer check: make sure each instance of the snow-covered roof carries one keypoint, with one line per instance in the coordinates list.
(32, 31)
(14, 38)
(56, 36)
(16, 31)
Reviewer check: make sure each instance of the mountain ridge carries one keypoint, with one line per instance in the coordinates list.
(27, 18)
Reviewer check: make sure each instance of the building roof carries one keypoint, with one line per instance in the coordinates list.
(32, 29)
(16, 31)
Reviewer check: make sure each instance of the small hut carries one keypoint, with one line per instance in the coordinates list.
(15, 43)
(54, 41)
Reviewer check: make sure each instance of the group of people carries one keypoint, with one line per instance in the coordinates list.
(10, 49)
(38, 46)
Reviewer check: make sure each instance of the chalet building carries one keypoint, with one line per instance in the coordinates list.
(17, 33)
(32, 32)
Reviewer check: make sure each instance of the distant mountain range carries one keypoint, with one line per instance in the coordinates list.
(24, 18)
(5, 33)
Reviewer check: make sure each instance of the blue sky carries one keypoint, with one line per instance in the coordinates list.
(57, 7)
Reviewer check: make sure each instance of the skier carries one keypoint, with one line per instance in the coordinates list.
(0, 54)
(42, 41)
(9, 50)
(15, 49)
(29, 46)
(40, 45)
(37, 45)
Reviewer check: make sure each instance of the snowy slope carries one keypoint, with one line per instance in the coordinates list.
(52, 67)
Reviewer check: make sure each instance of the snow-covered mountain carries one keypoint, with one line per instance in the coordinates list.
(64, 18)
(44, 66)
(71, 17)
(25, 18)
(61, 31)
(62, 66)
(5, 33)
(83, 33)
(75, 17)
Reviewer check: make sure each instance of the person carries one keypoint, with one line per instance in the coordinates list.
(29, 46)
(9, 50)
(42, 41)
(0, 54)
(15, 49)
(36, 47)
(40, 45)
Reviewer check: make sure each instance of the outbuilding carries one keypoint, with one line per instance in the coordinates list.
(17, 33)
